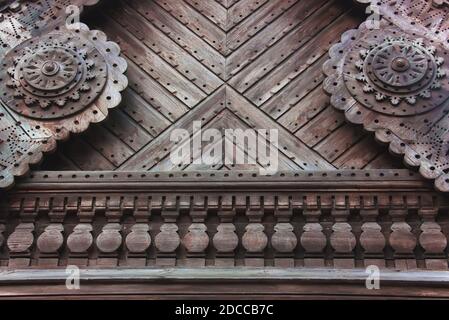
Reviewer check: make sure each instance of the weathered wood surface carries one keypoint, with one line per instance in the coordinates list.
(184, 283)
(340, 219)
(55, 79)
(187, 57)
(391, 76)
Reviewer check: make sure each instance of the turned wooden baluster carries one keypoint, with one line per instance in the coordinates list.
(432, 240)
(284, 240)
(372, 240)
(226, 240)
(402, 240)
(20, 243)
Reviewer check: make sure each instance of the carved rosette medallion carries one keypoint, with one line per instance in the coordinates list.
(54, 84)
(55, 77)
(395, 84)
(403, 76)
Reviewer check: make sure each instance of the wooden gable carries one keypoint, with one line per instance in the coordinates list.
(238, 65)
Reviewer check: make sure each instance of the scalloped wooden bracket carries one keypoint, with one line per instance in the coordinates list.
(418, 129)
(428, 18)
(33, 117)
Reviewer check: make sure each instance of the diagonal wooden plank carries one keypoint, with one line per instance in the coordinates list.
(262, 19)
(176, 31)
(167, 49)
(144, 113)
(227, 3)
(128, 131)
(299, 61)
(359, 155)
(89, 159)
(224, 120)
(195, 22)
(242, 10)
(294, 91)
(166, 164)
(262, 62)
(305, 110)
(212, 10)
(232, 121)
(110, 146)
(289, 145)
(320, 126)
(154, 93)
(384, 161)
(260, 40)
(339, 141)
(60, 161)
(160, 147)
(168, 77)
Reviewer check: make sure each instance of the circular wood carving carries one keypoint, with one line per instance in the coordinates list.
(395, 84)
(55, 79)
(395, 75)
(55, 76)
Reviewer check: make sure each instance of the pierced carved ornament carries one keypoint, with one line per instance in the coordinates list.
(53, 76)
(396, 84)
(428, 18)
(397, 70)
(54, 79)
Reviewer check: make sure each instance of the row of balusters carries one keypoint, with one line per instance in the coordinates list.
(284, 241)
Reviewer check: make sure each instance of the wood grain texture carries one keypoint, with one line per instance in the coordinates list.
(56, 79)
(266, 56)
(223, 283)
(408, 113)
(335, 219)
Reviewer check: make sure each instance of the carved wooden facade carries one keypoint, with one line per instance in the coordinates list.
(111, 200)
(391, 219)
(56, 79)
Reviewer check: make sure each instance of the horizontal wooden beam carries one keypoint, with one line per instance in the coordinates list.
(243, 283)
(387, 180)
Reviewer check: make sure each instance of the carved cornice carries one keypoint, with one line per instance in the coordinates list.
(341, 219)
(55, 79)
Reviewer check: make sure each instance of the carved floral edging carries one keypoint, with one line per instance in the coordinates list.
(428, 18)
(110, 96)
(356, 113)
(40, 135)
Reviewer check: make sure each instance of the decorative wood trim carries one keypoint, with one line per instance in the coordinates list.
(409, 114)
(38, 107)
(428, 18)
(235, 283)
(343, 219)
